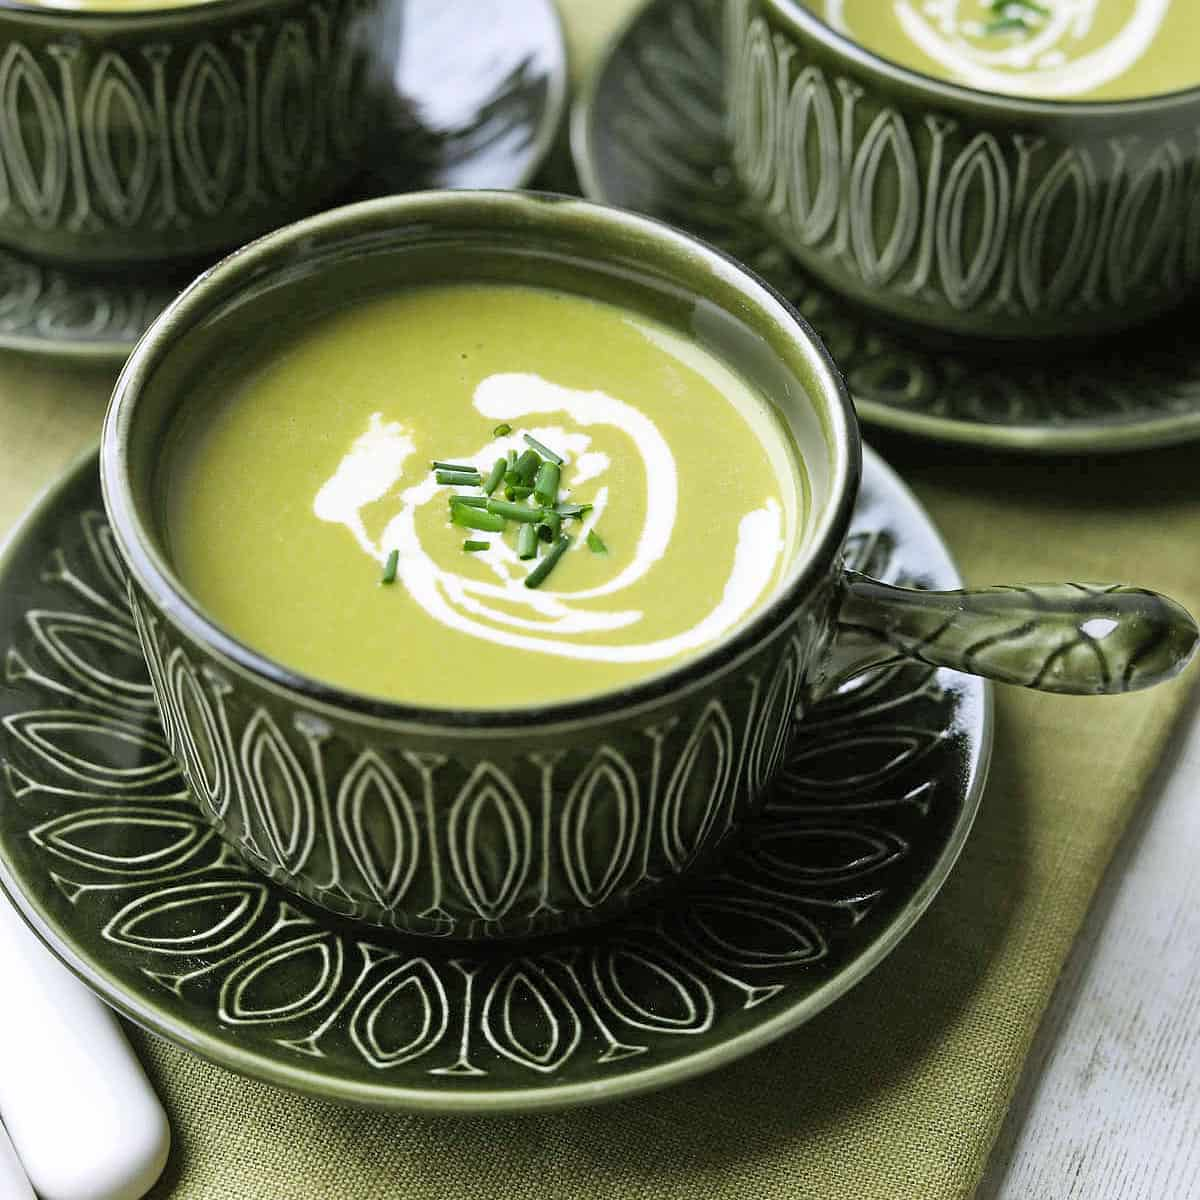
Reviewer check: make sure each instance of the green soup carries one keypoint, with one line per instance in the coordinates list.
(1054, 49)
(294, 475)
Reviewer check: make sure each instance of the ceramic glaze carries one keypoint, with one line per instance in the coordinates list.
(311, 461)
(470, 110)
(1135, 391)
(480, 822)
(297, 997)
(146, 133)
(965, 212)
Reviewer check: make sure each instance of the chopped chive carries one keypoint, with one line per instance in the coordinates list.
(495, 475)
(476, 518)
(539, 573)
(545, 487)
(527, 466)
(389, 570)
(596, 543)
(502, 430)
(550, 526)
(445, 466)
(527, 540)
(470, 478)
(572, 510)
(469, 501)
(1000, 6)
(514, 512)
(471, 546)
(512, 459)
(512, 477)
(1006, 25)
(544, 451)
(1014, 16)
(517, 492)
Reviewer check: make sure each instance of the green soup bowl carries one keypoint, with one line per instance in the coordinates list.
(475, 823)
(140, 133)
(958, 210)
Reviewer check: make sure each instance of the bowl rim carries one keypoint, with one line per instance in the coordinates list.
(805, 23)
(150, 570)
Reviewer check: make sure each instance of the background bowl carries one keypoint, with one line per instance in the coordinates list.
(158, 133)
(955, 209)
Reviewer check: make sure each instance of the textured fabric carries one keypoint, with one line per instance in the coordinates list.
(899, 1089)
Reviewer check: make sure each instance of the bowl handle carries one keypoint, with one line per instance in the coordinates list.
(1078, 639)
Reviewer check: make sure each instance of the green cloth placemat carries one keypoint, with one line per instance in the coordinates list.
(895, 1093)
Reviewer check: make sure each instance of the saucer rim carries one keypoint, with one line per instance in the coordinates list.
(1027, 438)
(225, 1052)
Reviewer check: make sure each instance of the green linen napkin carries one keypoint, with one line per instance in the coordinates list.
(897, 1091)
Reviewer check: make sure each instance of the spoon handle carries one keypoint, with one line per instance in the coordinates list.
(76, 1103)
(1078, 639)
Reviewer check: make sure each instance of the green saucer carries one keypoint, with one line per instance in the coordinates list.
(647, 134)
(106, 857)
(480, 93)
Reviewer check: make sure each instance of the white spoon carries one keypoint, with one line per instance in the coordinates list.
(14, 1183)
(82, 1116)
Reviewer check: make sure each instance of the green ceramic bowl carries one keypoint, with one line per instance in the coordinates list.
(509, 822)
(955, 209)
(151, 133)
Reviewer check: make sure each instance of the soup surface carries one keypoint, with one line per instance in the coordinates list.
(294, 473)
(1051, 49)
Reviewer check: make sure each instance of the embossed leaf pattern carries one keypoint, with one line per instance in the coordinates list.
(94, 798)
(704, 770)
(197, 730)
(96, 750)
(529, 1019)
(255, 993)
(280, 792)
(98, 839)
(189, 918)
(491, 841)
(403, 1016)
(603, 799)
(100, 656)
(379, 826)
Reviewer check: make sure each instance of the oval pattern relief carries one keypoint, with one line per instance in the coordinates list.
(108, 839)
(1009, 223)
(659, 144)
(174, 130)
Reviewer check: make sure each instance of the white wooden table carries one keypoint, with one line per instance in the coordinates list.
(1108, 1107)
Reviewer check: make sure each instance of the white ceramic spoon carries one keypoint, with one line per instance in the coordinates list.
(14, 1183)
(83, 1119)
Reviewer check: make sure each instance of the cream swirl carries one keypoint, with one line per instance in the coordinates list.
(1045, 62)
(502, 610)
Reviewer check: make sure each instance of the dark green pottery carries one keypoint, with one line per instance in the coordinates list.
(946, 207)
(648, 134)
(129, 135)
(106, 854)
(502, 823)
(473, 102)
